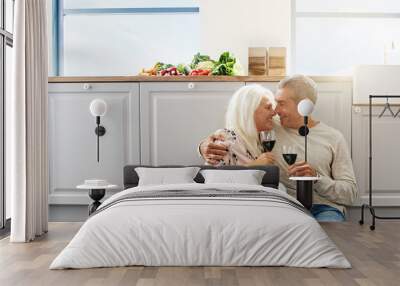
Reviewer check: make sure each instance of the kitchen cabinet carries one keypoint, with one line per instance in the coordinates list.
(72, 138)
(152, 122)
(334, 107)
(175, 116)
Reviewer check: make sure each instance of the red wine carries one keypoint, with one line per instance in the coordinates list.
(268, 145)
(290, 158)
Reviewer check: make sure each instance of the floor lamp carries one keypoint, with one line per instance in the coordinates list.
(304, 185)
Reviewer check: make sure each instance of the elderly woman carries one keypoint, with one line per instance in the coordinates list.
(249, 112)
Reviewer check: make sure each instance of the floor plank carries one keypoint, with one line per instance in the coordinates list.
(374, 255)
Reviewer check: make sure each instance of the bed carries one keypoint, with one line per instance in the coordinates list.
(198, 224)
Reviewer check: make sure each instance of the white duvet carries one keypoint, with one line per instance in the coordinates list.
(200, 231)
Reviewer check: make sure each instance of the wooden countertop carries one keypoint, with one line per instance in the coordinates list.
(79, 79)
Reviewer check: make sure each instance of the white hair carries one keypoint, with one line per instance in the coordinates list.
(303, 87)
(240, 114)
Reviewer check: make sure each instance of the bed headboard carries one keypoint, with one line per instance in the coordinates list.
(271, 177)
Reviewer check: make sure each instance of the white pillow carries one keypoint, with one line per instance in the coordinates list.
(248, 177)
(163, 176)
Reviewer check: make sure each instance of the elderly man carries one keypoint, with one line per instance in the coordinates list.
(328, 155)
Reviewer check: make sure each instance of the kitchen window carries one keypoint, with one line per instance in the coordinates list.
(105, 38)
(331, 37)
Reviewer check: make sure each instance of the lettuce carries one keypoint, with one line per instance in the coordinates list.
(225, 65)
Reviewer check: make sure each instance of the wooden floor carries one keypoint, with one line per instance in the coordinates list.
(375, 257)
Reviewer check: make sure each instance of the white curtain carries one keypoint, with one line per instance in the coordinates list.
(26, 123)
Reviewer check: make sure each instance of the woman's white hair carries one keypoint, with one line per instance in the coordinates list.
(240, 114)
(303, 87)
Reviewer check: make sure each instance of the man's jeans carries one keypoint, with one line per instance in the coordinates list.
(326, 213)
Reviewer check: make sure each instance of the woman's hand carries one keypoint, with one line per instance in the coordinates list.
(264, 159)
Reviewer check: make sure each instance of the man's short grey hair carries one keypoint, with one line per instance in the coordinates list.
(303, 87)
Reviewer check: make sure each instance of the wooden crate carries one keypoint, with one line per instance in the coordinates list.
(277, 61)
(258, 57)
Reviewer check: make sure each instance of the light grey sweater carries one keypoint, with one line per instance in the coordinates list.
(329, 155)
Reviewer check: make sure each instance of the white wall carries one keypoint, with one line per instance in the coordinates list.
(238, 25)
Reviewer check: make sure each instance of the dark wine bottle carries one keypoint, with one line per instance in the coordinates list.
(268, 145)
(290, 158)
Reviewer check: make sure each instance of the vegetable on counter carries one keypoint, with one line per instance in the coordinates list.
(146, 72)
(206, 65)
(197, 58)
(184, 69)
(151, 71)
(169, 71)
(227, 64)
(158, 66)
(200, 72)
(160, 69)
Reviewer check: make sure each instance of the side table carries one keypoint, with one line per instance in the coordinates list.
(96, 192)
(304, 190)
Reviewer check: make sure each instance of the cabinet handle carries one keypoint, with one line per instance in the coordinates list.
(86, 86)
(190, 85)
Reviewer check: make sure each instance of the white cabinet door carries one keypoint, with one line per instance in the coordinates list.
(174, 117)
(385, 155)
(72, 138)
(333, 105)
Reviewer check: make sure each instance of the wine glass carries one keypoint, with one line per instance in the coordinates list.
(289, 154)
(268, 140)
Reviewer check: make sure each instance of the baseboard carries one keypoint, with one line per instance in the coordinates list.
(382, 200)
(354, 213)
(68, 213)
